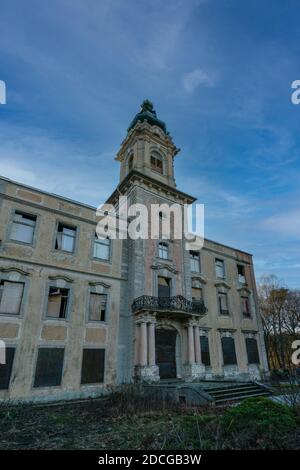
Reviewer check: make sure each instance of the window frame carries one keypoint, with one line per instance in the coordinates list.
(48, 346)
(165, 250)
(10, 314)
(230, 364)
(220, 310)
(90, 320)
(191, 258)
(224, 270)
(240, 276)
(157, 157)
(35, 231)
(95, 241)
(76, 238)
(252, 338)
(89, 384)
(58, 283)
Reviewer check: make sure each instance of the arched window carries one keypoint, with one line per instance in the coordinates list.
(157, 162)
(163, 250)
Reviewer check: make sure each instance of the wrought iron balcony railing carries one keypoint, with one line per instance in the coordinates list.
(177, 303)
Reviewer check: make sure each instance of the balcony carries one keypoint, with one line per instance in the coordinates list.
(175, 305)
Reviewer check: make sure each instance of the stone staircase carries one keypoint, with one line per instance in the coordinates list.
(206, 392)
(236, 392)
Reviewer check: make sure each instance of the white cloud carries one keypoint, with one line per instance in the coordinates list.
(284, 223)
(197, 77)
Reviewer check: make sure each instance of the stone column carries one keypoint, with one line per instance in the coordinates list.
(137, 344)
(151, 343)
(197, 344)
(143, 344)
(191, 348)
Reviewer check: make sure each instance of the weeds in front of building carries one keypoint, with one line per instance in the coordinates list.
(127, 418)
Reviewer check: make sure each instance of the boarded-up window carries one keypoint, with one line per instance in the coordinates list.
(101, 248)
(65, 238)
(92, 370)
(49, 366)
(228, 348)
(97, 307)
(223, 303)
(5, 369)
(11, 294)
(205, 356)
(164, 286)
(57, 302)
(252, 351)
(23, 227)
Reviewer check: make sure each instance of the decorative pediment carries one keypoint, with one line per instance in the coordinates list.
(199, 278)
(62, 278)
(244, 290)
(16, 270)
(170, 268)
(222, 284)
(99, 283)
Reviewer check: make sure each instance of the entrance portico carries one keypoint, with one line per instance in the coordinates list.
(167, 339)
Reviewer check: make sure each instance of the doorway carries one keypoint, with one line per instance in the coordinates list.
(165, 352)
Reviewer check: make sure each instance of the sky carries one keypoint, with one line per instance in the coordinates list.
(219, 73)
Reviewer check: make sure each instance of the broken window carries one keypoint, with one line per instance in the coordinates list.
(252, 351)
(205, 356)
(57, 302)
(241, 273)
(163, 250)
(220, 270)
(92, 370)
(223, 303)
(49, 366)
(65, 238)
(11, 294)
(246, 306)
(157, 163)
(23, 227)
(101, 248)
(164, 286)
(195, 261)
(97, 307)
(5, 369)
(228, 348)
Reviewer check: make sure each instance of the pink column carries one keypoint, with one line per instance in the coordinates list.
(151, 343)
(143, 344)
(197, 344)
(137, 344)
(191, 348)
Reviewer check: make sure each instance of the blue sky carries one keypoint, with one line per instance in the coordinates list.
(219, 73)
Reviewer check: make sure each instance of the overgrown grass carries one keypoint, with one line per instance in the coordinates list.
(128, 419)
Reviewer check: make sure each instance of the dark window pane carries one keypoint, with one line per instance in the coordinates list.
(228, 349)
(92, 370)
(205, 357)
(252, 351)
(5, 369)
(164, 287)
(49, 367)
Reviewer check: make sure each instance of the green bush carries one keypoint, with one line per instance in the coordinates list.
(260, 413)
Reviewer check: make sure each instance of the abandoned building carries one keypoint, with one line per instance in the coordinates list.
(80, 312)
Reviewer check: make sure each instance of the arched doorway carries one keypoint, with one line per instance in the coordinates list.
(165, 352)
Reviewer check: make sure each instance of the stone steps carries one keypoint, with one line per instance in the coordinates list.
(236, 392)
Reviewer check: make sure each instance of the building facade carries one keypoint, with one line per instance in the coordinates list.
(79, 312)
